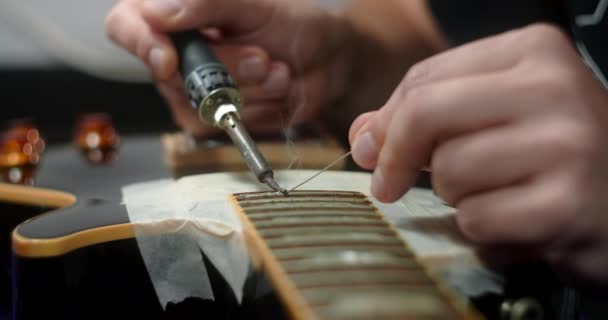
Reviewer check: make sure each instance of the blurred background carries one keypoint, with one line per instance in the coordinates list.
(57, 63)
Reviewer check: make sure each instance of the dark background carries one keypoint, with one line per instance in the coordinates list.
(55, 97)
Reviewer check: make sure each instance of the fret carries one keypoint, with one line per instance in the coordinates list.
(289, 254)
(277, 232)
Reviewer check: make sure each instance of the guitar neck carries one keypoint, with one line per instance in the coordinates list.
(333, 255)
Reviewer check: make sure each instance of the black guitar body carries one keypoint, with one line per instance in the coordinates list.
(10, 216)
(80, 259)
(109, 279)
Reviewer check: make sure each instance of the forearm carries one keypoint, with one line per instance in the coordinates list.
(388, 37)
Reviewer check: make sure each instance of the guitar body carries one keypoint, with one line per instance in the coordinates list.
(82, 261)
(74, 255)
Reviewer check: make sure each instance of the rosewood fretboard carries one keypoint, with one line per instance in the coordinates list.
(332, 255)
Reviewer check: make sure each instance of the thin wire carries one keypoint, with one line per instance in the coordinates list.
(322, 170)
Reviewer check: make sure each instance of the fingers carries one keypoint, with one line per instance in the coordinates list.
(496, 55)
(274, 85)
(530, 212)
(125, 26)
(256, 75)
(483, 56)
(488, 55)
(474, 162)
(233, 16)
(425, 117)
(247, 64)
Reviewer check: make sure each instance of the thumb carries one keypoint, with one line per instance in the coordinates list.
(233, 16)
(359, 124)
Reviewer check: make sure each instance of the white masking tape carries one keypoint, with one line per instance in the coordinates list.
(193, 214)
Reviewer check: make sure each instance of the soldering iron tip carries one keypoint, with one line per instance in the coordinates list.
(275, 186)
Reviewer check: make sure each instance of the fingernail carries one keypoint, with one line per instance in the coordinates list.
(156, 60)
(378, 184)
(277, 80)
(365, 149)
(252, 68)
(163, 7)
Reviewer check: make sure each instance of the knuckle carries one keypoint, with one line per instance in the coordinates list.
(110, 23)
(401, 93)
(389, 161)
(569, 141)
(444, 178)
(555, 85)
(417, 103)
(543, 36)
(142, 48)
(417, 73)
(407, 88)
(558, 210)
(475, 225)
(559, 89)
(561, 141)
(378, 125)
(193, 8)
(386, 164)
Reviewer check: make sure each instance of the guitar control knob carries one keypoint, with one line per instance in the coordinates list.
(96, 137)
(27, 127)
(21, 147)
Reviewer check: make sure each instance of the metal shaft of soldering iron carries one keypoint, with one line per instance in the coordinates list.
(215, 96)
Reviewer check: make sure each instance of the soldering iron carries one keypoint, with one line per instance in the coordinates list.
(217, 99)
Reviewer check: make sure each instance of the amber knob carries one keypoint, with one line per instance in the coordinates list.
(27, 128)
(21, 147)
(96, 137)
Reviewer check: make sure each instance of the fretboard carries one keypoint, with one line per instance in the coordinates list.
(333, 255)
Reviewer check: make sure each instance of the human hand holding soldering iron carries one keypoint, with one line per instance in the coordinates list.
(513, 127)
(255, 40)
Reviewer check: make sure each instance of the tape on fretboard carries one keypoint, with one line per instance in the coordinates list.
(332, 255)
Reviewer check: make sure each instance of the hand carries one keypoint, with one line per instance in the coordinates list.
(276, 51)
(514, 129)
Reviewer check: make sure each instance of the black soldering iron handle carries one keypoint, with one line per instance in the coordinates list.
(192, 51)
(211, 89)
(206, 80)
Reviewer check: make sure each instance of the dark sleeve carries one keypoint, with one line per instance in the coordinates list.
(466, 20)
